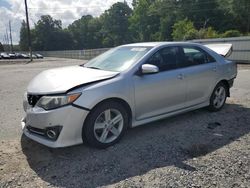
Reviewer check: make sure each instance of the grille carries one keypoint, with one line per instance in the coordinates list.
(32, 99)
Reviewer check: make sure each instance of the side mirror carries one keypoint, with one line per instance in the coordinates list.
(149, 69)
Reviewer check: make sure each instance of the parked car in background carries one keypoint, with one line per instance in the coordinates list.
(12, 55)
(18, 56)
(21, 56)
(25, 56)
(5, 55)
(33, 56)
(39, 56)
(127, 86)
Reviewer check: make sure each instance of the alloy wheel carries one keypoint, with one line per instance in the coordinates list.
(108, 126)
(219, 97)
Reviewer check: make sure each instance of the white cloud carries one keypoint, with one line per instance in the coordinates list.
(65, 10)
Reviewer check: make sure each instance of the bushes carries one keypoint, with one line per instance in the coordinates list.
(185, 30)
(231, 33)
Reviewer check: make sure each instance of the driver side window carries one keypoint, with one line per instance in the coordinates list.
(165, 59)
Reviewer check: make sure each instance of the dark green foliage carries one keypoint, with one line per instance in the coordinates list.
(184, 30)
(23, 43)
(85, 32)
(231, 33)
(115, 25)
(49, 35)
(241, 10)
(148, 20)
(1, 47)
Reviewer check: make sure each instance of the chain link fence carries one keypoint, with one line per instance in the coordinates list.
(241, 50)
(74, 54)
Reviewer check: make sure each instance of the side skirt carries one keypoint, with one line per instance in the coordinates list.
(155, 118)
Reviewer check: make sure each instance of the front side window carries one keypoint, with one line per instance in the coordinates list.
(165, 59)
(118, 59)
(194, 56)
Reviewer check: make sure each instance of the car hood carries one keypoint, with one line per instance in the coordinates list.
(60, 80)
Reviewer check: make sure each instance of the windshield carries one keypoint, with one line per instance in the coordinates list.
(117, 59)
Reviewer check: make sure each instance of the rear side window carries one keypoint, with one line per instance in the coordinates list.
(165, 59)
(192, 56)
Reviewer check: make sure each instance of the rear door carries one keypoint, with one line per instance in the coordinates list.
(200, 72)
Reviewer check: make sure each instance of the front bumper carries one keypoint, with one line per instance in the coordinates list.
(70, 119)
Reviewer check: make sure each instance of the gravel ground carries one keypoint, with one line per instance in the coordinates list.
(195, 149)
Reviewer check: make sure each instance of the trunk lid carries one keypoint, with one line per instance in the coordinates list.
(223, 49)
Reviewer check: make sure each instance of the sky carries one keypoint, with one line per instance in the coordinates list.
(65, 10)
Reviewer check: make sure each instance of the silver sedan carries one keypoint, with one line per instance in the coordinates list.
(127, 86)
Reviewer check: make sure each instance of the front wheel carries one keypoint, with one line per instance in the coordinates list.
(105, 125)
(218, 97)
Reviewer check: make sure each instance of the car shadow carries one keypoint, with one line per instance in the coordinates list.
(168, 142)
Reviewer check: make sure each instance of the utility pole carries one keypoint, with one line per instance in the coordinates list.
(28, 29)
(11, 44)
(7, 39)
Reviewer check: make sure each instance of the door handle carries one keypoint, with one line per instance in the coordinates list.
(214, 69)
(180, 76)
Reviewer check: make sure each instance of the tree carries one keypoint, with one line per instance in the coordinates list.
(86, 32)
(23, 43)
(145, 21)
(184, 30)
(1, 47)
(241, 10)
(203, 13)
(115, 25)
(149, 20)
(169, 11)
(49, 35)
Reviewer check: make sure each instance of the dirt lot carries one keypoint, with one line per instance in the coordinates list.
(195, 149)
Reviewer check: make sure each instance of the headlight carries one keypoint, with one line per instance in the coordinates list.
(52, 102)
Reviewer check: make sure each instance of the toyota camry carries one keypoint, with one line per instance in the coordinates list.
(127, 86)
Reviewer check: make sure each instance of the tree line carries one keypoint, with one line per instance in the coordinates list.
(147, 20)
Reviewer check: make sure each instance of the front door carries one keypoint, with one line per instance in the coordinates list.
(162, 92)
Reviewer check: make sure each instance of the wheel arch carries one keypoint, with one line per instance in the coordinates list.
(225, 82)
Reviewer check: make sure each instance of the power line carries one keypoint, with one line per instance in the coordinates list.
(19, 8)
(68, 8)
(57, 10)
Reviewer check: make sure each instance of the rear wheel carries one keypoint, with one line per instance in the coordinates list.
(106, 124)
(218, 97)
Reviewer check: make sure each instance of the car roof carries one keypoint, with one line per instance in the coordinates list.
(154, 44)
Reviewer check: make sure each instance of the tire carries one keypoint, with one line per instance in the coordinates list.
(105, 125)
(218, 97)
